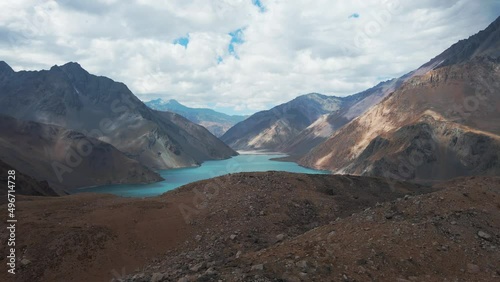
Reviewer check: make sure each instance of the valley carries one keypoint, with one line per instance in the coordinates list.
(250, 141)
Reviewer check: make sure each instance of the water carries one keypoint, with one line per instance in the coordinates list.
(177, 177)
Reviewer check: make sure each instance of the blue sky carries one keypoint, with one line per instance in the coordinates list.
(258, 3)
(239, 56)
(236, 38)
(183, 41)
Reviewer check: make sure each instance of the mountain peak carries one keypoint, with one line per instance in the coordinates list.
(159, 101)
(174, 102)
(5, 68)
(73, 67)
(312, 95)
(70, 68)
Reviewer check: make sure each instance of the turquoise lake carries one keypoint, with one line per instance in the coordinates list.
(177, 177)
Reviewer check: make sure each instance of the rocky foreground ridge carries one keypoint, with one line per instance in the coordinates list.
(271, 226)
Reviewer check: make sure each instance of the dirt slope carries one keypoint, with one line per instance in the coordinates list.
(449, 235)
(94, 237)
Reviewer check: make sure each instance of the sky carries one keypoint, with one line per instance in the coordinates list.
(237, 56)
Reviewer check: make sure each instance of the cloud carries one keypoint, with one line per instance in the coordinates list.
(237, 55)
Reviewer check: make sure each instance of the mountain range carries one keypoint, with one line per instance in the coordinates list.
(268, 130)
(217, 123)
(439, 124)
(66, 104)
(299, 125)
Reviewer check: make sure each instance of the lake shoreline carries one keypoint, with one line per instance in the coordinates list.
(175, 178)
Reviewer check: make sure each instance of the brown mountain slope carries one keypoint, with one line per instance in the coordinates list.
(24, 184)
(465, 94)
(90, 237)
(430, 149)
(64, 158)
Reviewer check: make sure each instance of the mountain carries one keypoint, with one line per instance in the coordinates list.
(441, 123)
(269, 130)
(217, 123)
(303, 123)
(69, 97)
(25, 184)
(64, 158)
(327, 124)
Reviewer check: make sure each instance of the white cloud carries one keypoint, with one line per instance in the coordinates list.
(292, 48)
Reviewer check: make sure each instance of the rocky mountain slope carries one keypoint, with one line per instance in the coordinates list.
(327, 124)
(64, 158)
(217, 123)
(268, 130)
(70, 97)
(25, 184)
(482, 44)
(301, 124)
(445, 118)
(266, 227)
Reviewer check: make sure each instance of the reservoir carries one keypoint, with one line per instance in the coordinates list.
(175, 178)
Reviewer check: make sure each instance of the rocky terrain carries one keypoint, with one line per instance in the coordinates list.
(70, 97)
(439, 124)
(326, 125)
(217, 123)
(268, 130)
(66, 159)
(271, 226)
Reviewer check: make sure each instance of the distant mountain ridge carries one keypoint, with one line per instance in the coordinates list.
(216, 122)
(297, 126)
(269, 130)
(326, 125)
